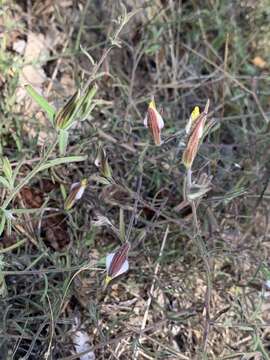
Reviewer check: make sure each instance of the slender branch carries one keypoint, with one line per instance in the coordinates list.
(114, 42)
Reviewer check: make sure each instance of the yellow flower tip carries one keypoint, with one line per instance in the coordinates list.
(187, 163)
(84, 182)
(195, 113)
(152, 105)
(67, 207)
(108, 279)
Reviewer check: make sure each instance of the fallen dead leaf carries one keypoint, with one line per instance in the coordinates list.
(81, 341)
(19, 46)
(55, 232)
(68, 84)
(35, 50)
(259, 62)
(32, 198)
(32, 73)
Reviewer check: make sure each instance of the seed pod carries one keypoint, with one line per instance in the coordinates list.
(76, 192)
(195, 135)
(154, 122)
(117, 262)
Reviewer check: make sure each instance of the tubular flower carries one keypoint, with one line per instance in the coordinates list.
(76, 192)
(194, 115)
(62, 118)
(117, 262)
(154, 122)
(194, 130)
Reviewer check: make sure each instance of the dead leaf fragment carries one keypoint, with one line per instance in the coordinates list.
(19, 46)
(259, 62)
(81, 341)
(35, 50)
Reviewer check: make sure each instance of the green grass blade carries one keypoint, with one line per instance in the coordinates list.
(62, 141)
(41, 101)
(2, 222)
(4, 182)
(62, 160)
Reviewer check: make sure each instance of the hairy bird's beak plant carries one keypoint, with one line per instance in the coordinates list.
(193, 193)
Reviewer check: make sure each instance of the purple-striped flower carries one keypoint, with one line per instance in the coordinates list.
(154, 122)
(194, 130)
(117, 262)
(66, 113)
(76, 192)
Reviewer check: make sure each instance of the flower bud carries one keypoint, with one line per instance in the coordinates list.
(76, 192)
(194, 115)
(117, 262)
(195, 129)
(154, 122)
(65, 115)
(102, 163)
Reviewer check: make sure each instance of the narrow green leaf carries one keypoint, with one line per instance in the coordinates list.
(7, 169)
(62, 141)
(4, 182)
(122, 225)
(41, 101)
(101, 180)
(12, 247)
(87, 106)
(8, 226)
(27, 211)
(3, 286)
(16, 171)
(63, 191)
(2, 222)
(63, 160)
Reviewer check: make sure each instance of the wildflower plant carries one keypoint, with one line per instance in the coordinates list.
(194, 192)
(195, 131)
(155, 62)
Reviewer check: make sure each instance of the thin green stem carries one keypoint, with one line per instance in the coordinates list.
(12, 247)
(78, 39)
(114, 42)
(205, 257)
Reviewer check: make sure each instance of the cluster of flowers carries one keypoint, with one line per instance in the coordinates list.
(117, 262)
